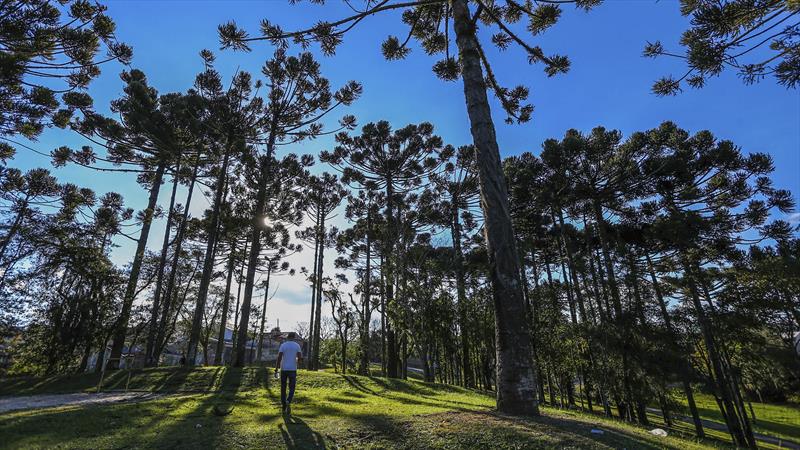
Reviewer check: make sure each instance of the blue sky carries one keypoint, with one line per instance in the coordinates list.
(608, 84)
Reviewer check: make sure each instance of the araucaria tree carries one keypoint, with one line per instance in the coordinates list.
(396, 162)
(144, 136)
(431, 22)
(758, 39)
(624, 230)
(358, 250)
(324, 194)
(297, 97)
(454, 200)
(600, 273)
(230, 121)
(41, 42)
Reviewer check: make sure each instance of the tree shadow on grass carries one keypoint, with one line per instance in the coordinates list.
(203, 426)
(576, 432)
(357, 384)
(192, 421)
(298, 435)
(85, 426)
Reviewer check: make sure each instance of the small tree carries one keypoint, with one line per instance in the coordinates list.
(341, 313)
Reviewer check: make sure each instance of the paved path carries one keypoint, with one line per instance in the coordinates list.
(79, 399)
(782, 443)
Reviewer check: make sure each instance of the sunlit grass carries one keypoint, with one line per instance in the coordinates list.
(778, 420)
(331, 411)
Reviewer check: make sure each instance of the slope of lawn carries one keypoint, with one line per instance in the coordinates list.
(331, 411)
(778, 420)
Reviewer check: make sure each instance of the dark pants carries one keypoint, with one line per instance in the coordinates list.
(291, 376)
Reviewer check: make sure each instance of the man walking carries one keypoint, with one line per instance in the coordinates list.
(289, 357)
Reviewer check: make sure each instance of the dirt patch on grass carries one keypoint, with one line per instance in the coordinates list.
(77, 399)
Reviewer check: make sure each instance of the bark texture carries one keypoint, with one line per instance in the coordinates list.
(516, 385)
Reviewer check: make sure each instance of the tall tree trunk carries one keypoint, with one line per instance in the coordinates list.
(344, 351)
(255, 253)
(686, 370)
(366, 308)
(609, 264)
(208, 263)
(168, 293)
(318, 280)
(389, 260)
(130, 290)
(383, 320)
(516, 381)
(312, 329)
(236, 309)
(263, 313)
(219, 353)
(719, 375)
(461, 291)
(740, 413)
(150, 360)
(623, 327)
(572, 268)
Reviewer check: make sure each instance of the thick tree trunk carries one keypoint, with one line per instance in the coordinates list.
(208, 263)
(516, 381)
(150, 360)
(130, 291)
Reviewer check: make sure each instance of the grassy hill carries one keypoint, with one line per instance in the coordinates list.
(777, 420)
(331, 411)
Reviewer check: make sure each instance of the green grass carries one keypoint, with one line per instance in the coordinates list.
(778, 420)
(331, 411)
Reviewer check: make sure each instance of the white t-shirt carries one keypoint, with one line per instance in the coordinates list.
(290, 350)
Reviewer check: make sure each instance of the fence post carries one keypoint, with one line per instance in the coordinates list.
(130, 371)
(103, 373)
